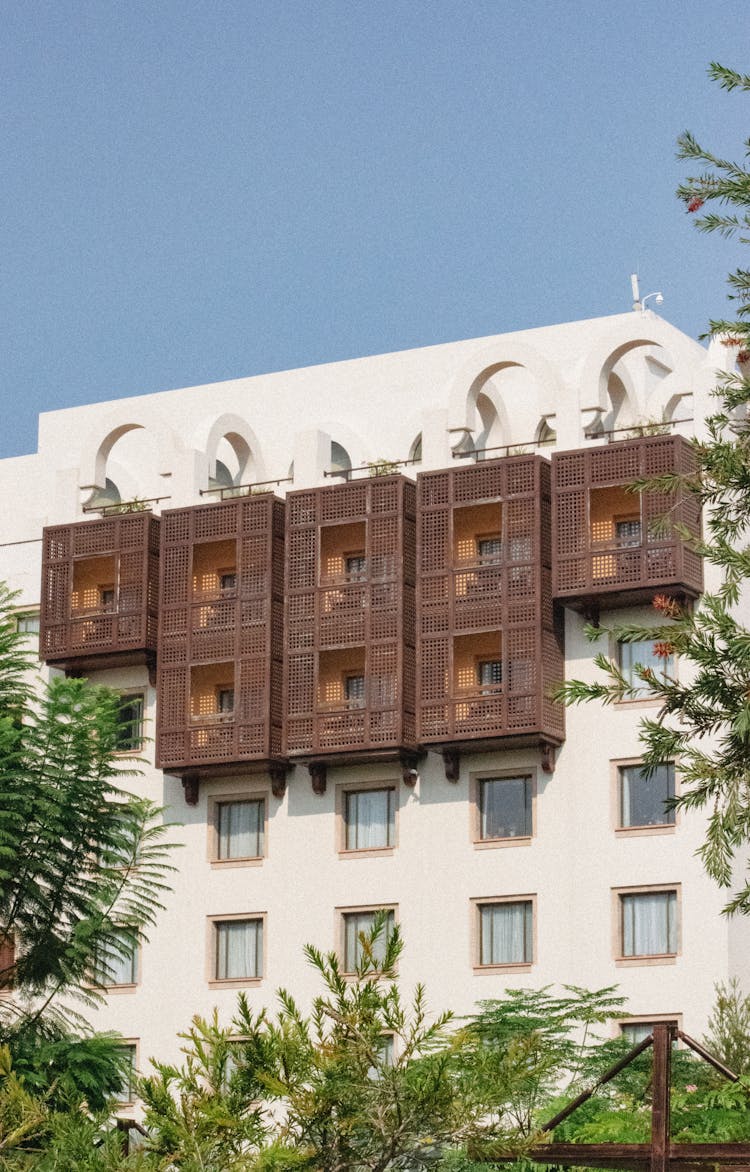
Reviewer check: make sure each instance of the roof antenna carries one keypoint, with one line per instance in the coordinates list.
(639, 303)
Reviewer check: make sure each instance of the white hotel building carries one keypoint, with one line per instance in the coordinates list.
(340, 681)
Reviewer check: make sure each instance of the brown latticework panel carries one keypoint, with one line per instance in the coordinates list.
(611, 547)
(350, 619)
(220, 635)
(100, 591)
(487, 650)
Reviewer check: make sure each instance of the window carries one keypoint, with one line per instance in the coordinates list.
(225, 701)
(227, 581)
(489, 674)
(355, 566)
(505, 807)
(634, 1032)
(369, 818)
(126, 1092)
(489, 549)
(643, 799)
(116, 963)
(238, 949)
(633, 656)
(107, 598)
(28, 624)
(240, 829)
(648, 923)
(627, 532)
(354, 691)
(358, 924)
(506, 932)
(129, 736)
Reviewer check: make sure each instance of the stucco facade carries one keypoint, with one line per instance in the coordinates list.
(560, 388)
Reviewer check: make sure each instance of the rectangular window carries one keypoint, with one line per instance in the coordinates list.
(369, 817)
(355, 567)
(130, 723)
(635, 1031)
(506, 932)
(643, 799)
(116, 963)
(126, 1092)
(631, 657)
(648, 923)
(489, 549)
(358, 924)
(239, 949)
(354, 691)
(107, 598)
(227, 581)
(490, 674)
(627, 532)
(225, 701)
(240, 829)
(28, 624)
(505, 807)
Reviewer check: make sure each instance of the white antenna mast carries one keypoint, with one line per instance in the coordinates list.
(636, 292)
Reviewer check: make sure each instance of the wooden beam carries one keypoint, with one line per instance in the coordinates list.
(663, 1035)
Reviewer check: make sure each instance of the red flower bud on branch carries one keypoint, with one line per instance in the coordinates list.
(695, 204)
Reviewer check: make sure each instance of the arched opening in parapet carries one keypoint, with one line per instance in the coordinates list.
(415, 451)
(234, 462)
(509, 401)
(340, 459)
(622, 412)
(131, 467)
(545, 434)
(489, 431)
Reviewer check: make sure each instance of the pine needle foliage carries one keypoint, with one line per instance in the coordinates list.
(704, 718)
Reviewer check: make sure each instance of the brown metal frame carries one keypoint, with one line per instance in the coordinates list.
(587, 575)
(510, 597)
(660, 1154)
(241, 628)
(373, 612)
(124, 633)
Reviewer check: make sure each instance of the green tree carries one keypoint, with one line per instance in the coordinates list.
(728, 1037)
(704, 719)
(82, 868)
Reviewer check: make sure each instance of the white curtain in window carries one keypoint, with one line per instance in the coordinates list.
(117, 965)
(356, 924)
(642, 652)
(649, 926)
(240, 830)
(239, 949)
(506, 933)
(369, 819)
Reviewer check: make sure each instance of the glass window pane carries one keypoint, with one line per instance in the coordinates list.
(505, 807)
(643, 799)
(357, 924)
(628, 532)
(117, 964)
(490, 673)
(506, 933)
(126, 1090)
(632, 656)
(239, 949)
(649, 923)
(489, 549)
(354, 690)
(240, 830)
(130, 724)
(369, 819)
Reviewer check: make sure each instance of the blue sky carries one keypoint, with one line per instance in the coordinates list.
(194, 190)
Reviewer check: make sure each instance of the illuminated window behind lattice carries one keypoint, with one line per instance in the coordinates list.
(214, 568)
(94, 584)
(614, 517)
(475, 524)
(342, 551)
(469, 653)
(335, 668)
(211, 686)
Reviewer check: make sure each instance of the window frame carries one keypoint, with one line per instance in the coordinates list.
(647, 830)
(124, 697)
(224, 690)
(343, 791)
(354, 703)
(483, 559)
(475, 802)
(357, 909)
(655, 958)
(217, 800)
(212, 950)
(644, 698)
(488, 689)
(645, 1019)
(122, 986)
(133, 1044)
(519, 966)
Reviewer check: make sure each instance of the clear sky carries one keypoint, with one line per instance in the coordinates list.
(194, 190)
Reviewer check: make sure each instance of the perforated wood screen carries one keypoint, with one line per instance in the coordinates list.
(488, 649)
(100, 591)
(612, 547)
(350, 625)
(220, 634)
